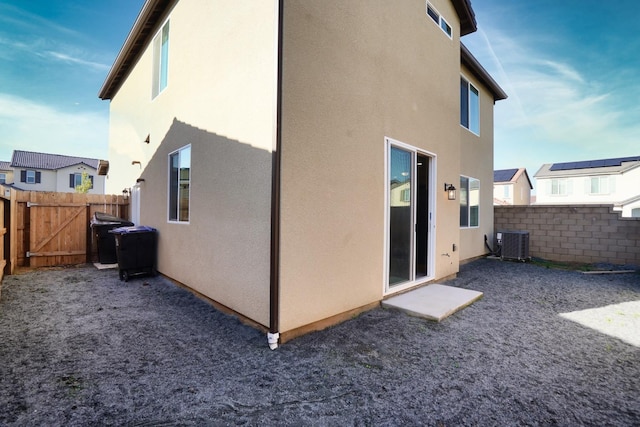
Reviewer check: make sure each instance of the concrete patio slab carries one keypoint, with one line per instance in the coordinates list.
(101, 266)
(433, 302)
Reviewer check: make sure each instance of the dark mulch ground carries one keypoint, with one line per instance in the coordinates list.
(79, 347)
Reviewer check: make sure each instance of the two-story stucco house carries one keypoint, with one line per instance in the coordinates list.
(605, 181)
(32, 171)
(294, 155)
(511, 187)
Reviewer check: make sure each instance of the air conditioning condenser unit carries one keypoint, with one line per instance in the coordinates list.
(514, 245)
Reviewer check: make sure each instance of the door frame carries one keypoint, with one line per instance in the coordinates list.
(388, 143)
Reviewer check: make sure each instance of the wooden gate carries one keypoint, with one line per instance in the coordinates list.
(48, 229)
(57, 234)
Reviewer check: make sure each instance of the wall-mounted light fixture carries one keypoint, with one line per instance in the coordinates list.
(137, 162)
(125, 193)
(147, 139)
(450, 190)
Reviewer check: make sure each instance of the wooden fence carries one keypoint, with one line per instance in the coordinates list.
(49, 229)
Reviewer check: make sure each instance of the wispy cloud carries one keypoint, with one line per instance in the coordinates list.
(555, 111)
(23, 33)
(74, 60)
(15, 17)
(38, 127)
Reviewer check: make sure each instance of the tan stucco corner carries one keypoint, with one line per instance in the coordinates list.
(325, 323)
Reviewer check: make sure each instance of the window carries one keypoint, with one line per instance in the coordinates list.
(469, 106)
(507, 191)
(179, 184)
(30, 176)
(405, 195)
(3, 178)
(558, 187)
(469, 202)
(439, 20)
(160, 60)
(599, 185)
(75, 180)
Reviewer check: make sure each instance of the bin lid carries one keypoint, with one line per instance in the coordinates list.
(103, 218)
(133, 229)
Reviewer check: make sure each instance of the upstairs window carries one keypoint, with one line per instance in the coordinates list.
(75, 180)
(30, 176)
(160, 60)
(469, 106)
(3, 178)
(439, 20)
(507, 191)
(599, 185)
(179, 184)
(559, 187)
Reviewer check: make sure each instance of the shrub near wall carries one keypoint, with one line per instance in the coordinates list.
(574, 233)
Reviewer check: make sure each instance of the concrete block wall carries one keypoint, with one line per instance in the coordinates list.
(574, 233)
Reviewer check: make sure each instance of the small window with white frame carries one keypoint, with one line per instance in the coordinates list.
(469, 106)
(469, 202)
(559, 187)
(439, 20)
(599, 185)
(160, 46)
(179, 184)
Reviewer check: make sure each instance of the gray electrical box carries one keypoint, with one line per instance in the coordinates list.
(514, 245)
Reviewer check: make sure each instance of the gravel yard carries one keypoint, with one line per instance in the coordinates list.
(542, 347)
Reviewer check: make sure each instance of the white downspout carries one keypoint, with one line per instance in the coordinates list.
(273, 340)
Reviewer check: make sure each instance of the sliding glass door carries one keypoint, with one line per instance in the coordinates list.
(408, 215)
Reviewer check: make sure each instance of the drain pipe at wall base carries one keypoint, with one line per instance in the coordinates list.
(273, 340)
(273, 336)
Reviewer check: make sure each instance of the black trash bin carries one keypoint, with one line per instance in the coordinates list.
(101, 223)
(136, 249)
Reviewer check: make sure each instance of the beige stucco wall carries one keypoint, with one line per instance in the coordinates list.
(476, 160)
(354, 73)
(220, 99)
(522, 191)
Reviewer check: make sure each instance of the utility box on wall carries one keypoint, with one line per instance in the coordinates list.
(514, 245)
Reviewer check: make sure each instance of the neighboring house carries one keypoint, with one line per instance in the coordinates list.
(606, 181)
(511, 187)
(6, 172)
(293, 155)
(31, 171)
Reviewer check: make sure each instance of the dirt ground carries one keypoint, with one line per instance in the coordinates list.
(79, 347)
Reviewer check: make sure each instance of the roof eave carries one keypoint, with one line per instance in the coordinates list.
(467, 17)
(470, 61)
(149, 15)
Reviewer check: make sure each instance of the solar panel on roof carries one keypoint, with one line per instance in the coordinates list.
(504, 175)
(592, 163)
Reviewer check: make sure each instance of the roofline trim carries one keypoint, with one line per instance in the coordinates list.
(112, 82)
(467, 58)
(467, 17)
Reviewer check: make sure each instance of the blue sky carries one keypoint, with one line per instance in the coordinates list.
(54, 56)
(570, 68)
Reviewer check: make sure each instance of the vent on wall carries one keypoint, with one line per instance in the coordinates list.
(514, 245)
